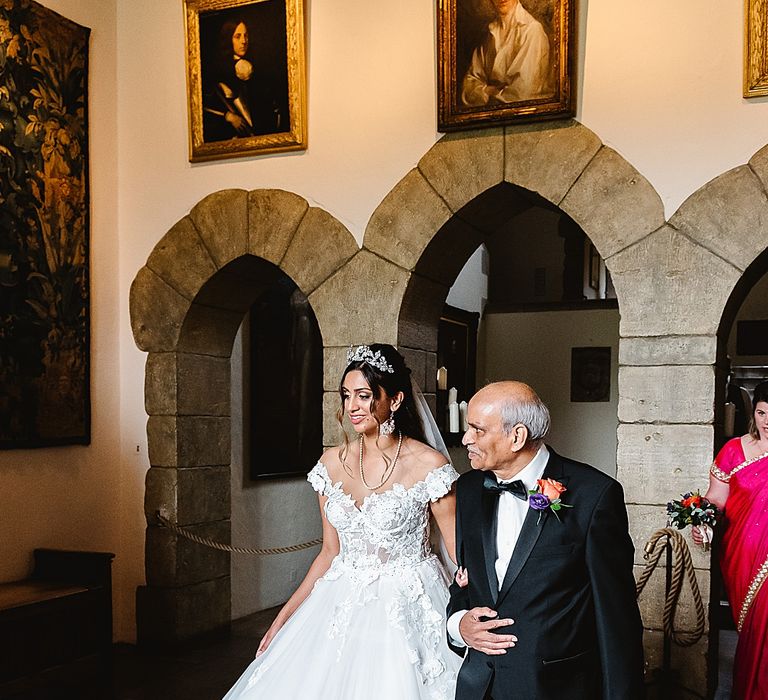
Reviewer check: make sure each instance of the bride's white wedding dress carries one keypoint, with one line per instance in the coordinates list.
(373, 627)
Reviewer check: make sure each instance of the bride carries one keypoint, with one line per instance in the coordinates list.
(368, 620)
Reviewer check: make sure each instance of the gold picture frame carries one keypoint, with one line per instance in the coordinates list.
(755, 48)
(246, 77)
(470, 91)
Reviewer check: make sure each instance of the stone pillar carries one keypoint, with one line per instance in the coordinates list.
(665, 449)
(188, 585)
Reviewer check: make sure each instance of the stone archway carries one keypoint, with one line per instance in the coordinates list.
(433, 219)
(186, 305)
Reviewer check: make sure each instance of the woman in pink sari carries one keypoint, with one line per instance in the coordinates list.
(738, 485)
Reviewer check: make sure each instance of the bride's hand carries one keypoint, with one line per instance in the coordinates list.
(266, 640)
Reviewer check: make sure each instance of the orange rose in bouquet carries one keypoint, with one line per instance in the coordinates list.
(694, 500)
(693, 509)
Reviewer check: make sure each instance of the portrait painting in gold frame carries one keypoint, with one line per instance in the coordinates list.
(502, 61)
(245, 77)
(755, 48)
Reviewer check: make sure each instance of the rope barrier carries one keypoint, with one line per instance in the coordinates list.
(207, 542)
(682, 568)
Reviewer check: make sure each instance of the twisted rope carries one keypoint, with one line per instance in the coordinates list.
(207, 542)
(682, 568)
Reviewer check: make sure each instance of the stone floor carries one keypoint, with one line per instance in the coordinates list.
(728, 639)
(203, 671)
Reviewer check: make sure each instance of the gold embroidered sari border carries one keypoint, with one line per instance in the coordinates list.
(725, 477)
(752, 591)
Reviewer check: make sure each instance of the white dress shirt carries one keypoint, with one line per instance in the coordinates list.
(510, 517)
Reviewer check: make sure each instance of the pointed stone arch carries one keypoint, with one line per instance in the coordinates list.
(433, 219)
(186, 305)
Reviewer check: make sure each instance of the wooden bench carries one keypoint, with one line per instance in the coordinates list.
(61, 613)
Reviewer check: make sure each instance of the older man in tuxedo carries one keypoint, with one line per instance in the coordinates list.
(543, 606)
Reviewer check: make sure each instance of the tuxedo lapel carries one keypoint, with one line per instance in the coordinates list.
(488, 506)
(532, 527)
(525, 543)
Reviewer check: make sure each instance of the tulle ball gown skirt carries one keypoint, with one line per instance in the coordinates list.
(361, 636)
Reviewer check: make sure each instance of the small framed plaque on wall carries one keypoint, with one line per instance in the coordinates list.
(590, 374)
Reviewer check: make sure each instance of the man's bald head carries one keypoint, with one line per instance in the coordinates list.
(517, 403)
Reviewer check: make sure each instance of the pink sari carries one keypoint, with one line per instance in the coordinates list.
(744, 564)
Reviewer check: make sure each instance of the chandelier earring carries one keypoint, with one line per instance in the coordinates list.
(387, 427)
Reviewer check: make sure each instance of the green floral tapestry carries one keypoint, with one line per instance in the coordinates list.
(44, 305)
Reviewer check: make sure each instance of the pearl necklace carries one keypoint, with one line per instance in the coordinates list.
(387, 472)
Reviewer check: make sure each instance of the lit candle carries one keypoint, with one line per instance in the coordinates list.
(453, 417)
(463, 413)
(442, 378)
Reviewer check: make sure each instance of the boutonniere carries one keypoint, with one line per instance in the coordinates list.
(547, 495)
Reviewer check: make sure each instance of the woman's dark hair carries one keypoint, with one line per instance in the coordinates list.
(406, 417)
(759, 394)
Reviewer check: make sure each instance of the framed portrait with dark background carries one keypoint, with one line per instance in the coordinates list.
(502, 61)
(590, 374)
(752, 337)
(245, 77)
(285, 375)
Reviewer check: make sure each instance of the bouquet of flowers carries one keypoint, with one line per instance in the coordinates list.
(693, 509)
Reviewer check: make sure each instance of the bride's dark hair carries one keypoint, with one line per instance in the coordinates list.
(385, 384)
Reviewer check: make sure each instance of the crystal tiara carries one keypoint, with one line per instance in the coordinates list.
(362, 353)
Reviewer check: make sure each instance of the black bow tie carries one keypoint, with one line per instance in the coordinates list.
(516, 488)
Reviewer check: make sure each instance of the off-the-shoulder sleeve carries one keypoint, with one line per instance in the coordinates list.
(319, 479)
(439, 481)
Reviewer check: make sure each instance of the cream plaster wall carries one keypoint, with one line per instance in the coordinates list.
(512, 346)
(73, 497)
(661, 83)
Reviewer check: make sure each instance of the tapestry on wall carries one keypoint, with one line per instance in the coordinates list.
(44, 305)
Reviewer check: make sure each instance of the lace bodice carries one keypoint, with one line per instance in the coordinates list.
(390, 529)
(385, 575)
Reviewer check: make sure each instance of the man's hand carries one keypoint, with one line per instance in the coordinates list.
(239, 124)
(477, 633)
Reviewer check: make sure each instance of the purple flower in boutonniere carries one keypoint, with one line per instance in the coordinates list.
(547, 495)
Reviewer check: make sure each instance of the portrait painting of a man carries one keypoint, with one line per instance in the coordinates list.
(504, 60)
(245, 69)
(245, 81)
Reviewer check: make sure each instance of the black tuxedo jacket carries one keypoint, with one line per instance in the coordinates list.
(569, 589)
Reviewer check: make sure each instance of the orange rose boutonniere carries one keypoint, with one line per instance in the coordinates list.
(547, 495)
(551, 488)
